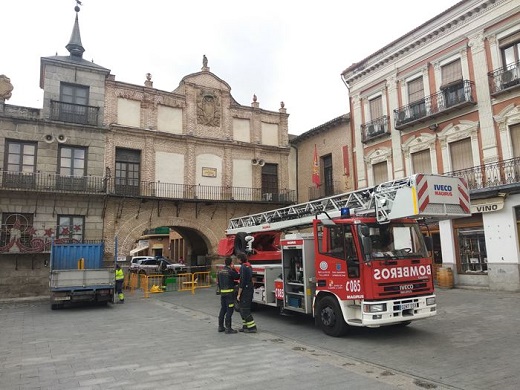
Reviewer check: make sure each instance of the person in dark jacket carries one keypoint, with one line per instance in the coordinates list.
(226, 282)
(245, 295)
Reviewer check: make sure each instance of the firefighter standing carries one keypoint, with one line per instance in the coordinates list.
(120, 277)
(226, 282)
(245, 295)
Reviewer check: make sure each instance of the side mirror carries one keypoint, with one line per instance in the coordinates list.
(367, 245)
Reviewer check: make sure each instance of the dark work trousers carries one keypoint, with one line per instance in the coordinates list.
(246, 299)
(119, 289)
(227, 306)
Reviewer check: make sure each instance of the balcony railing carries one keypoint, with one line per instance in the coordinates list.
(491, 175)
(504, 79)
(374, 129)
(325, 190)
(74, 113)
(451, 97)
(48, 182)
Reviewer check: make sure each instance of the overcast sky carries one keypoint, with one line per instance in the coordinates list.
(291, 51)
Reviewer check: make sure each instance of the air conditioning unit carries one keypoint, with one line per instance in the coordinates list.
(372, 129)
(507, 76)
(61, 138)
(254, 161)
(49, 138)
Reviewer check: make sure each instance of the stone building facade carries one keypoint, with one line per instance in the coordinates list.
(332, 143)
(107, 160)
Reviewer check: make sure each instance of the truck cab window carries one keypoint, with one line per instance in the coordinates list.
(336, 242)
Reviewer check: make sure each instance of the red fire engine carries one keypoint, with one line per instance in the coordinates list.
(356, 259)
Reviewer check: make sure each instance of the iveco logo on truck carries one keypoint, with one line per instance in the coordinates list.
(443, 190)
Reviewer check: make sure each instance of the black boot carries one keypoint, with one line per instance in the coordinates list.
(231, 331)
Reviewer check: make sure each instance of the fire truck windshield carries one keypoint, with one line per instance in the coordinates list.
(392, 241)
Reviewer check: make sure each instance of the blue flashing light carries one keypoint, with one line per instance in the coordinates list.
(345, 212)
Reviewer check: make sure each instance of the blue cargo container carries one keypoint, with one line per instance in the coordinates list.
(73, 281)
(67, 256)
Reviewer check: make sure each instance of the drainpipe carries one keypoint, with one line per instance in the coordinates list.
(296, 171)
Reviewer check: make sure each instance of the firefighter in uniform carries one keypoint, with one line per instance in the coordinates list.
(120, 278)
(226, 282)
(245, 295)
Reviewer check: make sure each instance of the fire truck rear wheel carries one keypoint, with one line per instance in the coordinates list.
(330, 318)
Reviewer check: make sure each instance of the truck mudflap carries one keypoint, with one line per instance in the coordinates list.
(402, 311)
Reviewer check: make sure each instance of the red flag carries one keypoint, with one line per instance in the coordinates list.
(316, 168)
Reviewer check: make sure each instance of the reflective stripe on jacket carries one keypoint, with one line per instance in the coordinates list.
(226, 280)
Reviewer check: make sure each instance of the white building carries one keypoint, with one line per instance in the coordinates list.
(445, 98)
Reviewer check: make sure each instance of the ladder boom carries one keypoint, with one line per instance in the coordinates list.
(435, 196)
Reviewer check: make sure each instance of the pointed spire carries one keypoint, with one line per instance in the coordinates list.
(74, 46)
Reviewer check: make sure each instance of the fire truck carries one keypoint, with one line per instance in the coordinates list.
(355, 259)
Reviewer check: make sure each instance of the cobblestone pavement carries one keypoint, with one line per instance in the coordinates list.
(170, 341)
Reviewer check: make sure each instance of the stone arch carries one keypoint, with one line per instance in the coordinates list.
(199, 234)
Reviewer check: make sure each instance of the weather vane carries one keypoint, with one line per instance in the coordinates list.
(78, 3)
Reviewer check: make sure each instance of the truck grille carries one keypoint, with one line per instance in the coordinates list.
(393, 288)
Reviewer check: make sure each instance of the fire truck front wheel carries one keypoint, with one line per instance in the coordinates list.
(330, 318)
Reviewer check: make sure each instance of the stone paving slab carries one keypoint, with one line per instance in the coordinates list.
(154, 343)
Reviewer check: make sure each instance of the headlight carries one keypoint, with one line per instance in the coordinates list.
(376, 308)
(430, 301)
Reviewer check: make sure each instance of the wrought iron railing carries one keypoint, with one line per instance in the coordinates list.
(374, 129)
(491, 175)
(505, 78)
(74, 113)
(49, 182)
(455, 95)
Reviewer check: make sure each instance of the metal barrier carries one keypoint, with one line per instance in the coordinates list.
(151, 284)
(160, 283)
(192, 281)
(147, 283)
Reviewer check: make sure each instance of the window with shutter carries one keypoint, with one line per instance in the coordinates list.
(376, 108)
(380, 172)
(416, 98)
(421, 162)
(461, 155)
(415, 90)
(451, 73)
(515, 139)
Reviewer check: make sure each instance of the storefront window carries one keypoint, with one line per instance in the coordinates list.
(473, 255)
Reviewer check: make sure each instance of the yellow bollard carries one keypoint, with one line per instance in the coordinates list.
(81, 263)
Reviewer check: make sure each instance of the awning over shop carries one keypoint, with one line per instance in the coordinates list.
(135, 251)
